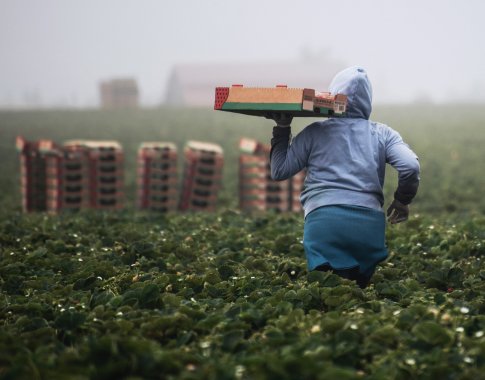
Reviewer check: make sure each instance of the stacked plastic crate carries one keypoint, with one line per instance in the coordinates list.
(67, 180)
(33, 175)
(202, 176)
(106, 180)
(257, 191)
(157, 177)
(92, 175)
(78, 175)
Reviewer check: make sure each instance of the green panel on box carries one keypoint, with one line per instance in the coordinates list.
(263, 109)
(262, 106)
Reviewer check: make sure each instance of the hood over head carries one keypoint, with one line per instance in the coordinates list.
(354, 83)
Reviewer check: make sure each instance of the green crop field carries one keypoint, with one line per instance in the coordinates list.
(130, 295)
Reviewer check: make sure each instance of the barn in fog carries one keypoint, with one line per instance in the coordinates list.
(119, 93)
(193, 84)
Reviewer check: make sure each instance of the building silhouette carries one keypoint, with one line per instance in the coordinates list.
(119, 93)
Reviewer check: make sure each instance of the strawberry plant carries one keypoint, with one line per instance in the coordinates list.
(227, 295)
(214, 296)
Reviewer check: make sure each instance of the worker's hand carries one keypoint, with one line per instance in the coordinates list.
(281, 119)
(397, 212)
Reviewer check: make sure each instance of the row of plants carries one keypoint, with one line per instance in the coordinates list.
(228, 296)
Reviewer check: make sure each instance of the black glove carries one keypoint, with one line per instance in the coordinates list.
(281, 119)
(397, 212)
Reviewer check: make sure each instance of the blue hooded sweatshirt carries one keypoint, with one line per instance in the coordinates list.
(345, 158)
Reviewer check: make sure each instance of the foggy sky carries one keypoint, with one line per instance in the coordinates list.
(54, 52)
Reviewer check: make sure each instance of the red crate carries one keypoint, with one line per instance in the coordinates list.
(257, 190)
(157, 150)
(34, 159)
(157, 176)
(202, 176)
(79, 174)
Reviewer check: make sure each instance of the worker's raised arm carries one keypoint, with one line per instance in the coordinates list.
(286, 159)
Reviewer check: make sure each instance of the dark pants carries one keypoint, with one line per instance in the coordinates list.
(350, 274)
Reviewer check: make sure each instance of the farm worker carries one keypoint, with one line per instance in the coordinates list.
(345, 161)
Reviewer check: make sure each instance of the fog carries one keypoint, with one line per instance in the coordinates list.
(53, 53)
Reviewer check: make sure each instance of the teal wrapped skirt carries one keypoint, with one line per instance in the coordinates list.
(344, 237)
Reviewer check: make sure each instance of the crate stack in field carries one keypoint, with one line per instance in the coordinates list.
(257, 191)
(157, 177)
(202, 176)
(106, 180)
(67, 180)
(77, 175)
(33, 173)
